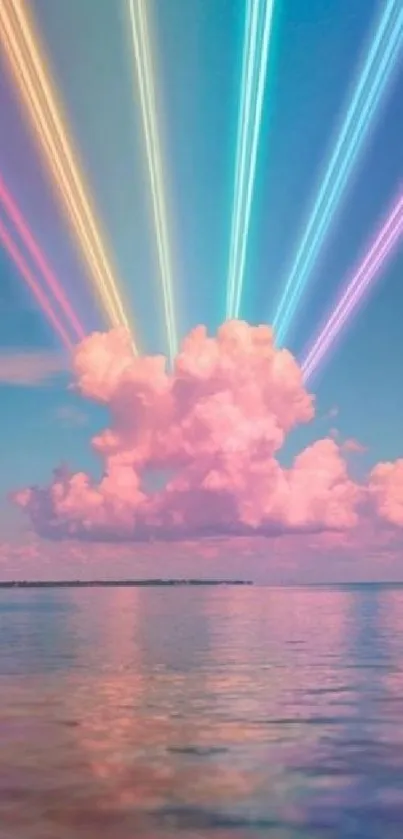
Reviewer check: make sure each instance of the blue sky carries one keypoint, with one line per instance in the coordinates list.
(314, 60)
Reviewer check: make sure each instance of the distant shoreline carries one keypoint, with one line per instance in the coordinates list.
(110, 583)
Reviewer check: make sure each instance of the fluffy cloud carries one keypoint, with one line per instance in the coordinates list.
(386, 492)
(213, 428)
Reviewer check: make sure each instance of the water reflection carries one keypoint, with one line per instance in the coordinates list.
(37, 625)
(150, 713)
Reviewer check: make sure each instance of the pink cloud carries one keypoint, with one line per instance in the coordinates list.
(30, 369)
(353, 446)
(361, 553)
(214, 428)
(386, 492)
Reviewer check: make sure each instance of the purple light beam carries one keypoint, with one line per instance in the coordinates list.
(379, 252)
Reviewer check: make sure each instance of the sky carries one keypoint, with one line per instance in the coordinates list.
(316, 51)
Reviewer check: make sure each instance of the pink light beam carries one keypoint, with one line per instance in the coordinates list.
(376, 258)
(15, 254)
(54, 286)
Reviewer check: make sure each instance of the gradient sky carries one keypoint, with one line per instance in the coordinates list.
(316, 53)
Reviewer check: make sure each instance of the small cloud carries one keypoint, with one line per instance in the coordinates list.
(29, 369)
(71, 417)
(353, 446)
(334, 412)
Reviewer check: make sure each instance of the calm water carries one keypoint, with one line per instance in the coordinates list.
(201, 713)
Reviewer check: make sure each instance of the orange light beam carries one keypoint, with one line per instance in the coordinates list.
(27, 63)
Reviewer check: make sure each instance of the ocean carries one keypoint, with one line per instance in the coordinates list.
(206, 712)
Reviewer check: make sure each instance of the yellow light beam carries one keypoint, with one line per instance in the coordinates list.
(140, 42)
(63, 147)
(27, 63)
(54, 159)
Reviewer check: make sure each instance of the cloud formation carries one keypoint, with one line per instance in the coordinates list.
(353, 446)
(30, 369)
(386, 492)
(212, 429)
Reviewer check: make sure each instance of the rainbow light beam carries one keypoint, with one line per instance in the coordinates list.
(379, 253)
(141, 50)
(26, 59)
(14, 214)
(16, 256)
(376, 73)
(258, 29)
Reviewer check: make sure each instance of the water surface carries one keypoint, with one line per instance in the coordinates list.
(239, 712)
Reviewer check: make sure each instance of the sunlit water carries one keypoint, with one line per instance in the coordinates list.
(201, 713)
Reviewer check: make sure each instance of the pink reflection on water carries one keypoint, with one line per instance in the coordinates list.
(181, 710)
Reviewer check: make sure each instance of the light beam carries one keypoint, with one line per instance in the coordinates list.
(17, 257)
(141, 49)
(27, 63)
(38, 257)
(258, 29)
(380, 251)
(371, 86)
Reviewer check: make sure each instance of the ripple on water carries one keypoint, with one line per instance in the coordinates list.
(240, 714)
